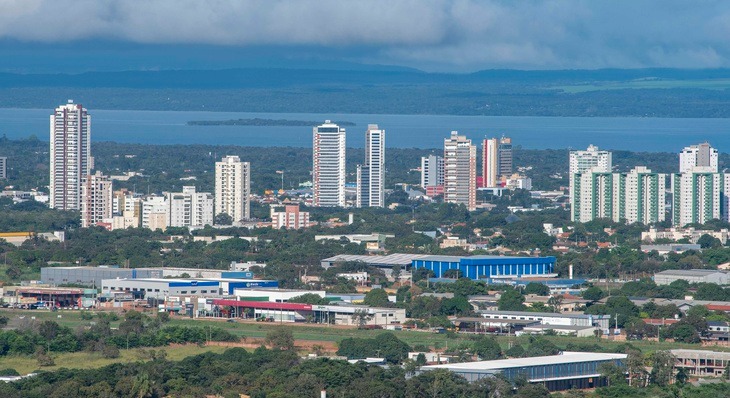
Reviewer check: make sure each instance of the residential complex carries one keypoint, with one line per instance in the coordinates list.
(371, 175)
(697, 196)
(70, 155)
(233, 188)
(288, 217)
(636, 196)
(3, 167)
(583, 161)
(328, 165)
(460, 171)
(96, 199)
(700, 155)
(190, 208)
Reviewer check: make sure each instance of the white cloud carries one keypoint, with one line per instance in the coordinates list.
(431, 34)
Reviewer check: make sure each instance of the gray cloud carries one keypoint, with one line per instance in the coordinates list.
(430, 34)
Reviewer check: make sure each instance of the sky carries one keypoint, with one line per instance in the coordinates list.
(430, 35)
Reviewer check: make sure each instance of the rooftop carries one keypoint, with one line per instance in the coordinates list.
(690, 272)
(564, 358)
(541, 314)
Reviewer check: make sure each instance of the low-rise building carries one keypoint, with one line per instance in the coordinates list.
(549, 318)
(556, 372)
(562, 330)
(670, 248)
(692, 276)
(289, 217)
(691, 234)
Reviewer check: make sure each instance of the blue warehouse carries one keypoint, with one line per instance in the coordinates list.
(479, 267)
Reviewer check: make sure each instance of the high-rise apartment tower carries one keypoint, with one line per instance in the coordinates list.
(371, 175)
(70, 155)
(460, 171)
(328, 165)
(233, 188)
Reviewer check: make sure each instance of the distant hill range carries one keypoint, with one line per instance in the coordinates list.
(603, 92)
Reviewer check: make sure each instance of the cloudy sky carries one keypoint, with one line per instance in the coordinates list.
(432, 35)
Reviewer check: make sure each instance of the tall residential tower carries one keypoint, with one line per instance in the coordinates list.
(581, 162)
(233, 188)
(70, 155)
(460, 171)
(328, 165)
(371, 175)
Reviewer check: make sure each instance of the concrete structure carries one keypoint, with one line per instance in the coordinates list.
(701, 155)
(273, 295)
(161, 288)
(636, 196)
(516, 181)
(3, 167)
(190, 208)
(70, 155)
(18, 238)
(490, 162)
(387, 262)
(96, 199)
(288, 217)
(371, 175)
(328, 165)
(233, 188)
(556, 372)
(691, 234)
(460, 171)
(696, 196)
(583, 161)
(701, 363)
(432, 171)
(692, 276)
(548, 318)
(478, 267)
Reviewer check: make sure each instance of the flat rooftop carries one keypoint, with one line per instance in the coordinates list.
(564, 358)
(539, 314)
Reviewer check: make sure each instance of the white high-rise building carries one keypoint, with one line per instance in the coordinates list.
(190, 208)
(581, 162)
(697, 196)
(154, 212)
(371, 175)
(328, 165)
(700, 155)
(490, 162)
(460, 171)
(432, 171)
(636, 196)
(3, 167)
(96, 199)
(70, 155)
(233, 188)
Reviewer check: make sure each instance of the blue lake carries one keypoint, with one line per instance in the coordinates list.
(403, 131)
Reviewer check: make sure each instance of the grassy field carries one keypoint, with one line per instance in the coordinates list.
(85, 360)
(303, 333)
(710, 84)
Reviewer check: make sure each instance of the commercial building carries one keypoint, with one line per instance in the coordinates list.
(190, 208)
(288, 217)
(636, 196)
(701, 155)
(163, 288)
(556, 372)
(328, 165)
(490, 162)
(3, 167)
(583, 161)
(96, 199)
(701, 363)
(92, 276)
(460, 171)
(233, 188)
(478, 267)
(697, 196)
(692, 276)
(387, 262)
(562, 330)
(70, 154)
(548, 318)
(670, 248)
(432, 171)
(371, 175)
(48, 297)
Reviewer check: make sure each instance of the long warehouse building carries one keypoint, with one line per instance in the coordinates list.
(479, 267)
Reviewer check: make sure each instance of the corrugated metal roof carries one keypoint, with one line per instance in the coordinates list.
(565, 358)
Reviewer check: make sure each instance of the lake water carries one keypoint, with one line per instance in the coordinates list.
(403, 131)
